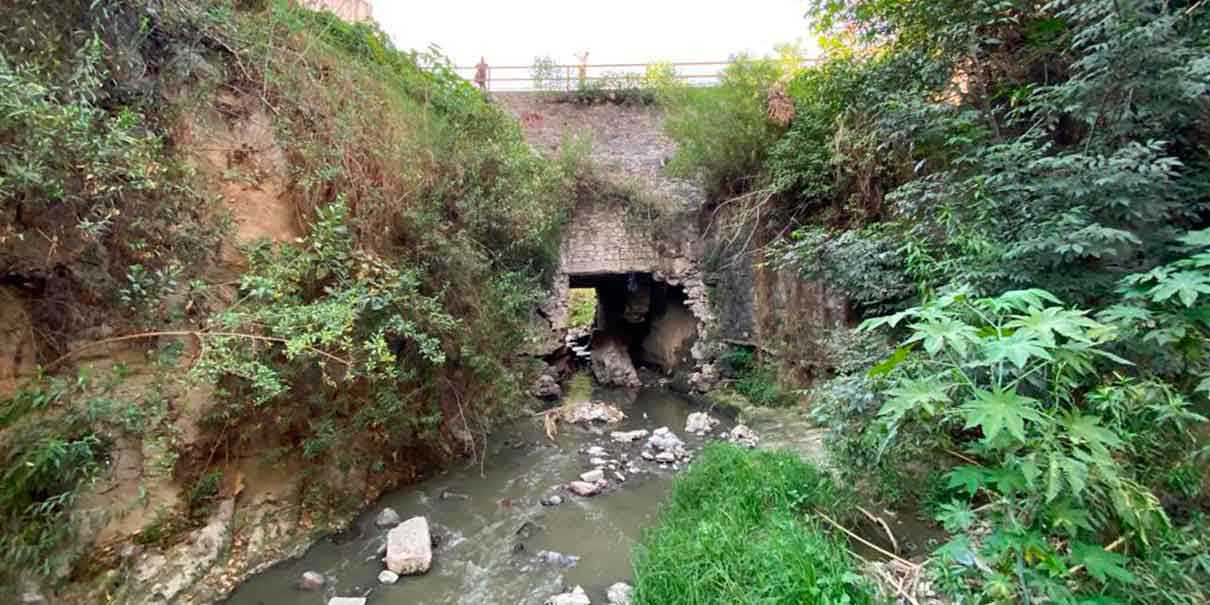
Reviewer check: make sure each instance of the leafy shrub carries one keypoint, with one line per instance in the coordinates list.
(583, 307)
(737, 530)
(88, 189)
(1062, 458)
(722, 132)
(990, 140)
(755, 379)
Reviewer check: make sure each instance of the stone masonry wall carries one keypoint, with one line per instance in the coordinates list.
(740, 301)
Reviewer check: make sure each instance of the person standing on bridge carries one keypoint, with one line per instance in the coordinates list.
(583, 71)
(481, 74)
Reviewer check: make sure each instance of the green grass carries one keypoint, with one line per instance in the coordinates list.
(738, 530)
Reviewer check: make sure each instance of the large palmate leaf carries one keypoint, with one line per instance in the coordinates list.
(1100, 563)
(1020, 300)
(908, 396)
(1044, 324)
(998, 410)
(940, 333)
(1018, 349)
(1087, 431)
(1185, 285)
(1196, 239)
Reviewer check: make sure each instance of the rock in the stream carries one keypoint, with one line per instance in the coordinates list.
(611, 362)
(550, 557)
(347, 601)
(31, 597)
(665, 457)
(647, 455)
(628, 436)
(596, 450)
(619, 594)
(387, 576)
(387, 518)
(700, 423)
(552, 500)
(409, 547)
(743, 435)
(592, 476)
(546, 387)
(664, 439)
(597, 411)
(527, 530)
(620, 477)
(575, 597)
(584, 488)
(310, 580)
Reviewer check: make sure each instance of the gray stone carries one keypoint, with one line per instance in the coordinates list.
(666, 457)
(387, 576)
(596, 450)
(619, 594)
(409, 547)
(620, 477)
(743, 435)
(552, 500)
(310, 580)
(611, 362)
(700, 422)
(550, 557)
(592, 476)
(664, 439)
(387, 517)
(575, 597)
(546, 387)
(347, 601)
(628, 436)
(31, 597)
(583, 488)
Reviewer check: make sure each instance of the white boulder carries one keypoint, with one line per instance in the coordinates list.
(576, 597)
(700, 422)
(410, 547)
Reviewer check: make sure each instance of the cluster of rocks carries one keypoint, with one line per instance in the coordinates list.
(665, 448)
(700, 423)
(661, 446)
(594, 411)
(408, 550)
(606, 472)
(618, 594)
(742, 435)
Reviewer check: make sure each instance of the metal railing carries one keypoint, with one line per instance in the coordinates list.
(571, 76)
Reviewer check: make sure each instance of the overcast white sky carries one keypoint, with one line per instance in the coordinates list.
(612, 31)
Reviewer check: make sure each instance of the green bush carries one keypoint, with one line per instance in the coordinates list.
(722, 132)
(755, 379)
(739, 528)
(583, 307)
(1066, 461)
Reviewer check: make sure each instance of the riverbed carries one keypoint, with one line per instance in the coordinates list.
(491, 523)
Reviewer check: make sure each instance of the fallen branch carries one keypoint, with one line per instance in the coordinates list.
(886, 528)
(877, 548)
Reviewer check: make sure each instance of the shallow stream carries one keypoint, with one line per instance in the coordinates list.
(493, 525)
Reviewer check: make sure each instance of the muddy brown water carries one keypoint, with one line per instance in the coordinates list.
(483, 559)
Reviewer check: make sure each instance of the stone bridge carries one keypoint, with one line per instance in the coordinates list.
(640, 243)
(635, 240)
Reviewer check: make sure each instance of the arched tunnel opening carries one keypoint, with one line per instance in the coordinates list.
(640, 322)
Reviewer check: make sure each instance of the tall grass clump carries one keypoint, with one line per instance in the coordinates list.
(738, 530)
